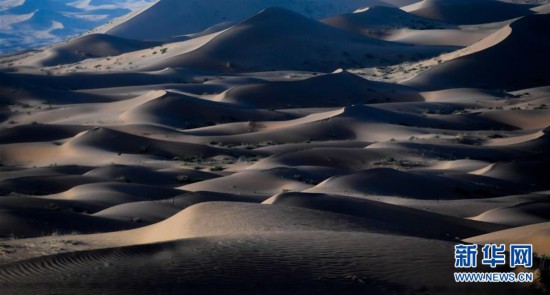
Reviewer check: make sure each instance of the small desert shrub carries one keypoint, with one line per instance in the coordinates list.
(122, 179)
(187, 179)
(266, 143)
(496, 135)
(217, 168)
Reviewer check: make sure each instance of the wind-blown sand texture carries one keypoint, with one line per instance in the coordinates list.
(312, 148)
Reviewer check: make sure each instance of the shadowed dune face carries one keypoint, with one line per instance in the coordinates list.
(267, 152)
(468, 11)
(518, 61)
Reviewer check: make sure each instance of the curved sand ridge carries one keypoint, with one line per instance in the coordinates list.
(218, 219)
(468, 11)
(498, 63)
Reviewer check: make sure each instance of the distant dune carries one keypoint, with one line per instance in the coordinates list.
(29, 24)
(468, 11)
(92, 46)
(380, 17)
(295, 43)
(170, 18)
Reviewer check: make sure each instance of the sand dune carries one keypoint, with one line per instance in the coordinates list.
(233, 256)
(113, 79)
(517, 215)
(399, 3)
(224, 219)
(166, 110)
(17, 89)
(144, 212)
(536, 234)
(373, 21)
(265, 183)
(40, 222)
(118, 142)
(38, 132)
(394, 24)
(381, 182)
(323, 90)
(239, 148)
(146, 175)
(542, 8)
(33, 24)
(149, 212)
(441, 37)
(242, 269)
(342, 158)
(468, 11)
(44, 184)
(387, 216)
(354, 122)
(532, 120)
(89, 46)
(525, 172)
(292, 40)
(169, 18)
(498, 64)
(114, 193)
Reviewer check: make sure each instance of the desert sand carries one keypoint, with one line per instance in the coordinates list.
(288, 147)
